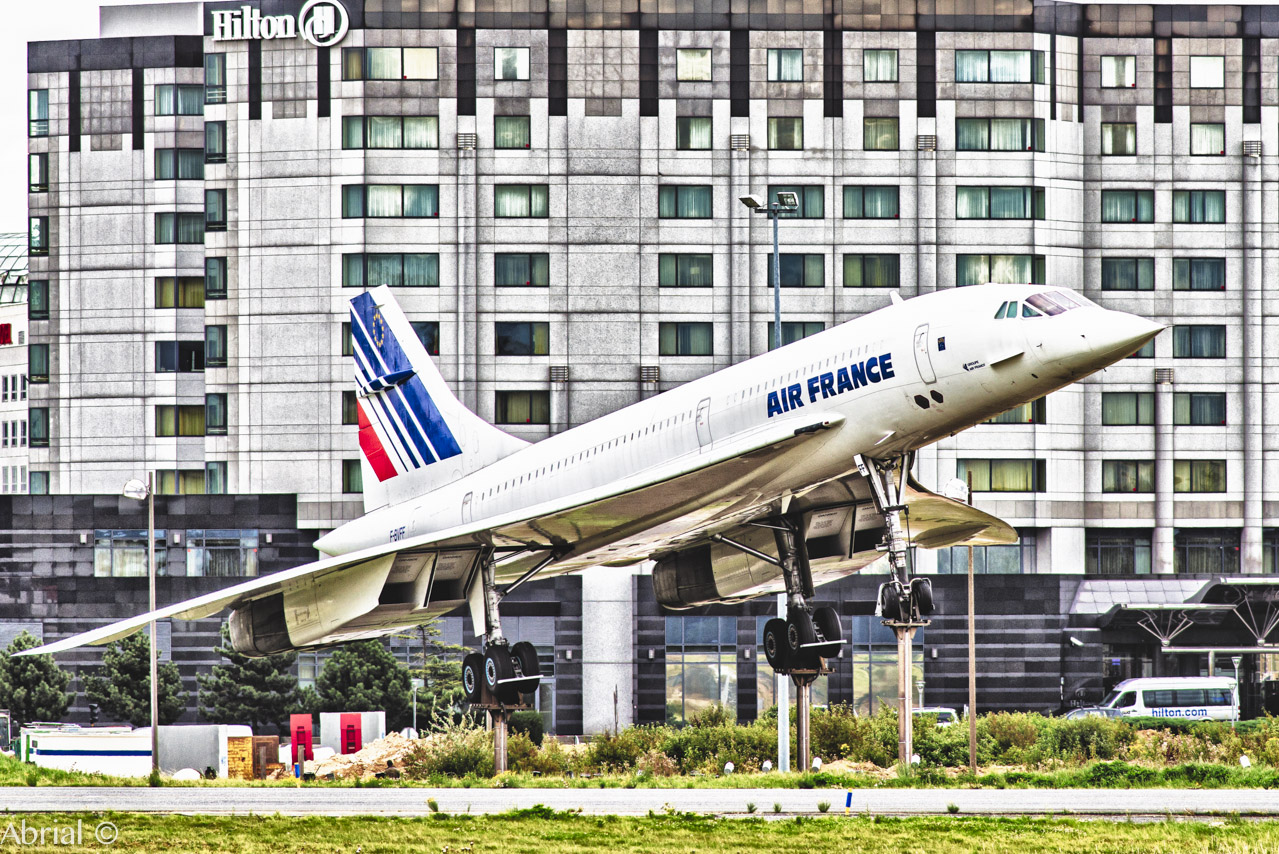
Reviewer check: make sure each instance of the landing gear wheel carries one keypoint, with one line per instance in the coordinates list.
(775, 645)
(921, 592)
(890, 606)
(472, 676)
(497, 669)
(827, 622)
(526, 655)
(799, 632)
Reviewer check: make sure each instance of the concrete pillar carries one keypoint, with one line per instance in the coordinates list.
(925, 215)
(1253, 323)
(608, 656)
(1162, 540)
(467, 343)
(739, 240)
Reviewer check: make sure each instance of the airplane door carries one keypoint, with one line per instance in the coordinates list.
(704, 423)
(923, 360)
(466, 508)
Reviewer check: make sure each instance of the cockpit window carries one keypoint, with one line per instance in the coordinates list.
(999, 312)
(1066, 299)
(1027, 311)
(1046, 304)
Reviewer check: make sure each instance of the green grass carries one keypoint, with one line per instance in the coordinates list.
(542, 830)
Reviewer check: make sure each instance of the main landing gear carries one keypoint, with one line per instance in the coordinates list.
(797, 644)
(504, 674)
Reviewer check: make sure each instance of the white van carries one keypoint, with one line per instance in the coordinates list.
(1204, 698)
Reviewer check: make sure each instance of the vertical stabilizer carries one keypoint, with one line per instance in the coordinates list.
(415, 435)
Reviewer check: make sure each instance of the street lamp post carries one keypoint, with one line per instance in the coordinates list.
(139, 491)
(417, 686)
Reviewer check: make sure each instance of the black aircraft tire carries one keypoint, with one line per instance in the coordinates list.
(921, 590)
(889, 605)
(472, 676)
(775, 645)
(497, 667)
(827, 621)
(526, 654)
(799, 632)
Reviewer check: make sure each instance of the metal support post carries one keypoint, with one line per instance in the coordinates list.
(155, 666)
(783, 705)
(972, 652)
(803, 719)
(492, 600)
(498, 717)
(777, 286)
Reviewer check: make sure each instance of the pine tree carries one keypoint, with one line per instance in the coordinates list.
(363, 676)
(33, 687)
(439, 665)
(253, 691)
(122, 685)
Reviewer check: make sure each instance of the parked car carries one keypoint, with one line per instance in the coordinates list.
(945, 715)
(1093, 712)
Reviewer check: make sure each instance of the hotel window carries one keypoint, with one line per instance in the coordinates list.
(1109, 551)
(352, 477)
(521, 269)
(1207, 72)
(173, 420)
(1198, 342)
(1199, 476)
(1118, 138)
(124, 553)
(879, 66)
(785, 133)
(390, 132)
(799, 271)
(510, 63)
(1127, 408)
(38, 418)
(390, 201)
(692, 64)
(685, 271)
(879, 134)
(181, 357)
(1034, 412)
(999, 66)
(350, 408)
(222, 553)
(38, 299)
(999, 134)
(1118, 72)
(1147, 351)
(1207, 551)
(521, 200)
(185, 164)
(395, 269)
(785, 65)
(1015, 559)
(179, 100)
(1127, 205)
(215, 142)
(1198, 205)
(1004, 475)
(215, 78)
(38, 359)
(38, 173)
(215, 414)
(1207, 138)
(215, 346)
(685, 339)
(180, 292)
(684, 202)
(701, 666)
(523, 407)
(38, 235)
(793, 330)
(999, 203)
(181, 482)
(1127, 274)
(511, 132)
(693, 133)
(521, 339)
(1199, 409)
(39, 483)
(428, 335)
(870, 203)
(38, 112)
(215, 278)
(871, 271)
(1000, 269)
(390, 63)
(215, 210)
(812, 201)
(183, 228)
(348, 346)
(1198, 274)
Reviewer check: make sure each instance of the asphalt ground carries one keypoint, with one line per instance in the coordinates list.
(728, 802)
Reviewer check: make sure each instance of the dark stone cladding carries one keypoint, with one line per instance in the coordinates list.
(104, 54)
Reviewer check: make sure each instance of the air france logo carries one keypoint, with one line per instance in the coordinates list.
(831, 384)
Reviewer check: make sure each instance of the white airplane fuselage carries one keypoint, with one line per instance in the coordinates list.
(892, 381)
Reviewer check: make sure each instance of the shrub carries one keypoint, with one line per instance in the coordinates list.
(620, 752)
(948, 746)
(716, 715)
(455, 751)
(1084, 739)
(1013, 733)
(840, 733)
(707, 748)
(529, 723)
(657, 763)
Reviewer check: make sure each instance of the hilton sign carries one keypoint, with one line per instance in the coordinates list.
(320, 22)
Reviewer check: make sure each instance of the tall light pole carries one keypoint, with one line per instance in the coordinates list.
(418, 684)
(139, 491)
(785, 203)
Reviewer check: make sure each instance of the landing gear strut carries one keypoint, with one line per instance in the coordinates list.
(905, 604)
(797, 644)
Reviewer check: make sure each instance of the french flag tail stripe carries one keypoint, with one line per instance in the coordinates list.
(371, 445)
(392, 436)
(405, 426)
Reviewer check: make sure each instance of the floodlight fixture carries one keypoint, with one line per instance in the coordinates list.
(787, 200)
(753, 202)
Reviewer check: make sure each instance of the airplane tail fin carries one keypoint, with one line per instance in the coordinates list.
(415, 435)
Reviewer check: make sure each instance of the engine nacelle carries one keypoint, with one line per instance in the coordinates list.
(259, 629)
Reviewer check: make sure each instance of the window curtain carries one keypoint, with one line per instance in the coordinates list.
(695, 339)
(215, 479)
(694, 202)
(190, 420)
(215, 207)
(353, 201)
(879, 202)
(879, 66)
(1009, 203)
(383, 63)
(972, 134)
(1126, 408)
(1199, 206)
(421, 132)
(215, 412)
(1207, 139)
(1010, 66)
(786, 134)
(384, 269)
(352, 132)
(510, 63)
(693, 64)
(693, 133)
(215, 277)
(972, 270)
(1010, 135)
(420, 63)
(812, 202)
(353, 63)
(511, 200)
(384, 200)
(421, 270)
(1118, 71)
(165, 100)
(1118, 138)
(1189, 409)
(512, 270)
(879, 134)
(971, 66)
(165, 168)
(972, 202)
(1011, 269)
(1207, 72)
(1129, 274)
(384, 132)
(852, 202)
(1198, 274)
(421, 200)
(1199, 342)
(695, 271)
(165, 228)
(353, 270)
(190, 100)
(880, 271)
(215, 75)
(1012, 475)
(190, 292)
(511, 132)
(786, 65)
(190, 164)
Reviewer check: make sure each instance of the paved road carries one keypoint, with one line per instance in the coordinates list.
(413, 802)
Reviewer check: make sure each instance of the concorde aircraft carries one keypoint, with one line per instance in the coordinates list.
(773, 475)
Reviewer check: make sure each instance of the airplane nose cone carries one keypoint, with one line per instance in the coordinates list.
(1119, 335)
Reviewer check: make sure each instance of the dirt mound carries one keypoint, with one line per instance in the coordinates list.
(368, 761)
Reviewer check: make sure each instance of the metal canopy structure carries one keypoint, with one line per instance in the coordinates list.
(1255, 602)
(1166, 620)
